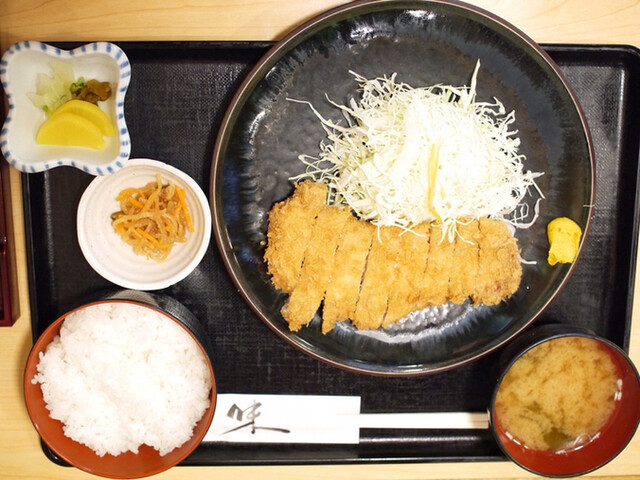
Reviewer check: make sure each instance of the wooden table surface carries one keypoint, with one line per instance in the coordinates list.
(546, 21)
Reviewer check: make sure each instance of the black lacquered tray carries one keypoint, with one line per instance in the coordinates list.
(176, 101)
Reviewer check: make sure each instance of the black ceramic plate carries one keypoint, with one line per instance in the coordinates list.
(425, 43)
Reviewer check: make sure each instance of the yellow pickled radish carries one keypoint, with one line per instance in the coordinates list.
(70, 129)
(91, 112)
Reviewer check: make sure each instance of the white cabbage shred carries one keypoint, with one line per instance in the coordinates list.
(53, 91)
(409, 155)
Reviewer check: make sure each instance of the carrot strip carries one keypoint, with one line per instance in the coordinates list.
(135, 202)
(150, 238)
(184, 207)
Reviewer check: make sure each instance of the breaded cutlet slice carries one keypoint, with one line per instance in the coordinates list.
(499, 268)
(344, 285)
(464, 262)
(290, 225)
(435, 287)
(319, 259)
(404, 298)
(377, 281)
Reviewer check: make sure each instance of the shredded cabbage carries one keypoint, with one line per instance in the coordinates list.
(409, 155)
(53, 91)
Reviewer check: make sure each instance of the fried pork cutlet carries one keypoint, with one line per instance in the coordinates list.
(290, 227)
(435, 287)
(464, 262)
(317, 266)
(375, 277)
(349, 264)
(377, 281)
(404, 297)
(499, 268)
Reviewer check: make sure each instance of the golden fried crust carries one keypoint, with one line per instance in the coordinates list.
(435, 286)
(411, 264)
(464, 262)
(344, 285)
(499, 268)
(317, 267)
(290, 225)
(318, 253)
(378, 277)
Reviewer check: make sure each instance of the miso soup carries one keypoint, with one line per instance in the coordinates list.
(559, 394)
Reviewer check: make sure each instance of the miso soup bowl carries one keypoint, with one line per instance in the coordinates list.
(584, 456)
(147, 461)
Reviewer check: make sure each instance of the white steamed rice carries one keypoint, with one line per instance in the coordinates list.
(120, 375)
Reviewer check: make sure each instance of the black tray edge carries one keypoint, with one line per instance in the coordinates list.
(629, 56)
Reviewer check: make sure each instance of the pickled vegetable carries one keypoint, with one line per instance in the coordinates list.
(76, 123)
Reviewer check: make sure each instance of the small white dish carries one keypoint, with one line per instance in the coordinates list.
(19, 68)
(116, 261)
